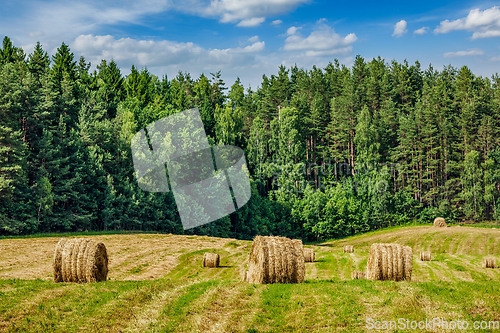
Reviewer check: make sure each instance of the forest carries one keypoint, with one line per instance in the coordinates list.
(331, 151)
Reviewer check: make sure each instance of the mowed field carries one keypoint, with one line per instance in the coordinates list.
(156, 284)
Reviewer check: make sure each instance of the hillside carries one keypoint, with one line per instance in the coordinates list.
(156, 283)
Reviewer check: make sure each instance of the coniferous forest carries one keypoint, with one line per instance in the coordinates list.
(331, 152)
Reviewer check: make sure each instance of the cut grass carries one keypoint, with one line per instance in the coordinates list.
(191, 298)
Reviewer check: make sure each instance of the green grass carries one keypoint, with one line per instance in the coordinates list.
(195, 299)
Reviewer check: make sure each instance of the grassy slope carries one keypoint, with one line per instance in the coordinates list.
(194, 299)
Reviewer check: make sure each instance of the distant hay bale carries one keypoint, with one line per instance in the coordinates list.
(489, 263)
(439, 222)
(57, 265)
(425, 256)
(276, 260)
(80, 260)
(389, 262)
(357, 275)
(348, 249)
(211, 260)
(308, 255)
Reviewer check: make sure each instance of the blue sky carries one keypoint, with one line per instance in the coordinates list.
(248, 38)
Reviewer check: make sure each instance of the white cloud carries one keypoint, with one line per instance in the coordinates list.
(238, 10)
(253, 39)
(421, 31)
(162, 53)
(400, 29)
(495, 58)
(484, 24)
(251, 22)
(322, 42)
(292, 30)
(469, 52)
(276, 22)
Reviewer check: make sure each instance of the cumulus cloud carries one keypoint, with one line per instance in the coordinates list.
(400, 29)
(469, 52)
(159, 53)
(495, 58)
(421, 31)
(322, 42)
(251, 22)
(244, 10)
(276, 22)
(484, 24)
(253, 39)
(292, 30)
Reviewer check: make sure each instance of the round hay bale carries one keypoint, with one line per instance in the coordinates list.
(211, 260)
(308, 255)
(425, 256)
(275, 260)
(97, 262)
(57, 265)
(439, 222)
(389, 262)
(408, 262)
(357, 275)
(301, 268)
(67, 256)
(348, 249)
(489, 263)
(81, 263)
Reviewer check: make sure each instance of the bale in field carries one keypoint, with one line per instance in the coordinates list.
(348, 249)
(425, 256)
(308, 255)
(489, 263)
(389, 262)
(211, 260)
(276, 260)
(357, 275)
(57, 265)
(97, 262)
(439, 222)
(80, 260)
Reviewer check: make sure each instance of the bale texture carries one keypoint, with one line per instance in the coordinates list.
(425, 256)
(389, 262)
(301, 267)
(308, 255)
(489, 263)
(276, 260)
(357, 275)
(97, 262)
(348, 249)
(439, 222)
(80, 260)
(211, 260)
(57, 265)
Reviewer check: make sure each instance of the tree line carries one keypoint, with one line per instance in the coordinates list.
(331, 152)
